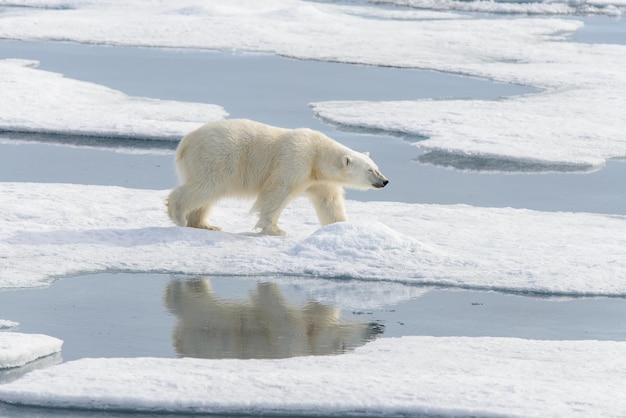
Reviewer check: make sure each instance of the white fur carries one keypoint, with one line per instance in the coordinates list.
(242, 158)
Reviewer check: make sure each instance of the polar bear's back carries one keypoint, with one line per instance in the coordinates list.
(240, 154)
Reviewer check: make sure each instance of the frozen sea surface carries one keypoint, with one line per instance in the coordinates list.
(125, 69)
(375, 265)
(574, 123)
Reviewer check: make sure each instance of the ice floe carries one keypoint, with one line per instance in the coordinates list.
(544, 132)
(575, 124)
(405, 376)
(536, 7)
(18, 349)
(6, 324)
(72, 229)
(44, 102)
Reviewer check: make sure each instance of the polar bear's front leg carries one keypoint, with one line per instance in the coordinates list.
(327, 199)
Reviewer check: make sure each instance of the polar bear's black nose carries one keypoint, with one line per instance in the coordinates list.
(381, 184)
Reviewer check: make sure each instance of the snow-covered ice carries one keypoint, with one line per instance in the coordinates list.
(44, 102)
(405, 376)
(536, 132)
(71, 229)
(18, 349)
(536, 7)
(576, 122)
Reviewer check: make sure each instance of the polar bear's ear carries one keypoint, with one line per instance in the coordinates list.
(366, 153)
(347, 160)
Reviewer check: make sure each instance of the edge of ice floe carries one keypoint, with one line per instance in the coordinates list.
(390, 376)
(57, 105)
(17, 349)
(7, 325)
(509, 250)
(550, 8)
(469, 161)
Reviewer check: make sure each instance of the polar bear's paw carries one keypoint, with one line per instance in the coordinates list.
(209, 227)
(203, 225)
(274, 231)
(267, 227)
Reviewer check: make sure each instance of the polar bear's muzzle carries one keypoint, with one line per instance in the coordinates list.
(380, 181)
(381, 184)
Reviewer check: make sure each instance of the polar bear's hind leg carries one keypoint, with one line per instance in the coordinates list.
(197, 219)
(190, 206)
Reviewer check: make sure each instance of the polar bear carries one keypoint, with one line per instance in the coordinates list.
(243, 158)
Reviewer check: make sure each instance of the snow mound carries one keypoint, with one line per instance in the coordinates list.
(360, 250)
(405, 376)
(353, 240)
(19, 349)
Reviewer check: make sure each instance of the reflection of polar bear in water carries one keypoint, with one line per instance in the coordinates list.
(265, 326)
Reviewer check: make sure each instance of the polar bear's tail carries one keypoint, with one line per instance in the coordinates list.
(175, 207)
(181, 171)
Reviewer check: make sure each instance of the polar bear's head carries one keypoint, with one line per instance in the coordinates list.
(361, 172)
